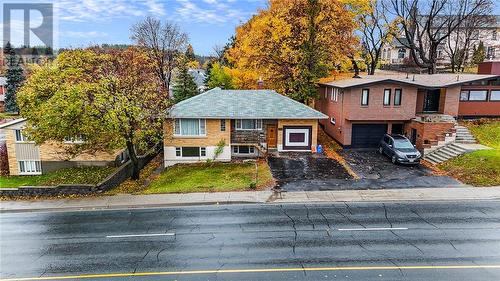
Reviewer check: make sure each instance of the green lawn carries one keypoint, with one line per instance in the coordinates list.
(479, 168)
(81, 175)
(210, 178)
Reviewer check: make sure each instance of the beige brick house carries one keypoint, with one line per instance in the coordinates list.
(27, 158)
(244, 123)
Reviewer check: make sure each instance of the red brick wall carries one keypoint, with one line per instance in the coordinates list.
(479, 108)
(376, 109)
(332, 109)
(449, 100)
(430, 132)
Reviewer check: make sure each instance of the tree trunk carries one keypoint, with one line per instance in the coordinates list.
(134, 160)
(356, 68)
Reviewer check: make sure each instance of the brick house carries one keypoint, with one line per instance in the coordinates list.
(27, 158)
(244, 123)
(422, 107)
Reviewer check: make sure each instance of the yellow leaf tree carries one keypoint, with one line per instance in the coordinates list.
(294, 43)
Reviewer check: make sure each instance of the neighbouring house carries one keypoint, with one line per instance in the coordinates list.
(395, 53)
(242, 123)
(27, 158)
(3, 91)
(422, 107)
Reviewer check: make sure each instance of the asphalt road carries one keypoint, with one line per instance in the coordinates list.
(392, 241)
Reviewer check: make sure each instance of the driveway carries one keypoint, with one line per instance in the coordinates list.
(293, 169)
(299, 172)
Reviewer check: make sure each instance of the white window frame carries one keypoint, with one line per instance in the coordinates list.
(30, 167)
(202, 152)
(251, 149)
(289, 131)
(334, 94)
(202, 127)
(332, 120)
(387, 97)
(257, 123)
(367, 91)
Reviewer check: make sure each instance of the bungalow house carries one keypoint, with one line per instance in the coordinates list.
(241, 123)
(422, 107)
(27, 158)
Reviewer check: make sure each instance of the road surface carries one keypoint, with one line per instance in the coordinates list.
(358, 241)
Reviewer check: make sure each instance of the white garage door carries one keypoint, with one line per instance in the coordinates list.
(297, 138)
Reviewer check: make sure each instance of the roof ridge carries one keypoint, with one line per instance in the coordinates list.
(297, 102)
(197, 96)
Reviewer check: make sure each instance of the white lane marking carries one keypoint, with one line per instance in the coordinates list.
(372, 229)
(140, 235)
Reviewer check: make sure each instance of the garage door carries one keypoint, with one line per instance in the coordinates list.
(297, 137)
(367, 135)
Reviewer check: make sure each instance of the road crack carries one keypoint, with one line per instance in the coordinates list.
(294, 228)
(308, 218)
(408, 242)
(425, 220)
(385, 213)
(135, 269)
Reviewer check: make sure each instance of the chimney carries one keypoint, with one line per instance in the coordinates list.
(260, 83)
(489, 67)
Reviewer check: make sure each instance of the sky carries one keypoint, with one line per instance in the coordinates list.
(80, 23)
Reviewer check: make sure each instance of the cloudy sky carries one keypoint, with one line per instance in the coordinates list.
(84, 22)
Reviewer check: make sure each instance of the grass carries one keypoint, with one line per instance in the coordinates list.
(482, 167)
(80, 175)
(213, 177)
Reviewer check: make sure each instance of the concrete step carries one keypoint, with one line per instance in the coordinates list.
(466, 141)
(457, 148)
(438, 157)
(449, 152)
(434, 159)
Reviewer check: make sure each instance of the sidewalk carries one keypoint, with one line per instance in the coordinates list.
(261, 197)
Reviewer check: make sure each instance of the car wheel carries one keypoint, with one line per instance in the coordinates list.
(380, 150)
(394, 160)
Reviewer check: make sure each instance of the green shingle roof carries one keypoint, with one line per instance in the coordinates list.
(243, 104)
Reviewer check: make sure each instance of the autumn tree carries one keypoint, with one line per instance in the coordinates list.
(220, 77)
(163, 43)
(113, 98)
(479, 53)
(426, 24)
(184, 84)
(293, 43)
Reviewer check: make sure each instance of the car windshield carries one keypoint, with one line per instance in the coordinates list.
(402, 143)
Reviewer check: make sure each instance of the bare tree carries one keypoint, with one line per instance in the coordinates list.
(426, 24)
(459, 42)
(163, 42)
(375, 33)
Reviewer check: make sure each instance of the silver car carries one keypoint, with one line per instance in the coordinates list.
(400, 149)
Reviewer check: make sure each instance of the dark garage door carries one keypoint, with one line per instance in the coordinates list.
(367, 135)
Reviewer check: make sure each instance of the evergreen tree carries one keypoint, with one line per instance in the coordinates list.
(184, 86)
(15, 77)
(479, 53)
(190, 56)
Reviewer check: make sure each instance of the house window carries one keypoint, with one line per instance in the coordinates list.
(478, 95)
(365, 94)
(243, 149)
(189, 127)
(20, 137)
(491, 52)
(401, 53)
(397, 96)
(335, 94)
(30, 167)
(190, 151)
(332, 120)
(464, 95)
(495, 95)
(223, 125)
(248, 124)
(387, 97)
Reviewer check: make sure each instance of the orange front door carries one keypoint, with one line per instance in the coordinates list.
(272, 139)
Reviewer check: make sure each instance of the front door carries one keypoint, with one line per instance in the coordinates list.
(413, 136)
(272, 139)
(431, 101)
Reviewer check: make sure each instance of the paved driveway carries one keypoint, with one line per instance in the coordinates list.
(298, 172)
